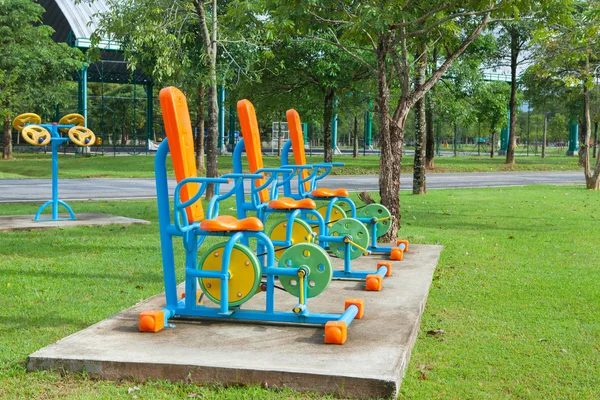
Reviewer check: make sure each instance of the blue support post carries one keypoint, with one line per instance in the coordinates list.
(56, 142)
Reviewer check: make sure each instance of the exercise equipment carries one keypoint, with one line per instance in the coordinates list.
(228, 273)
(346, 238)
(376, 217)
(37, 134)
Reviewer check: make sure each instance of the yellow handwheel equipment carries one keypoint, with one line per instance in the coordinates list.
(71, 119)
(22, 120)
(301, 233)
(36, 135)
(82, 136)
(244, 270)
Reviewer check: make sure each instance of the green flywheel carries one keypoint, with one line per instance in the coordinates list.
(356, 231)
(381, 214)
(315, 260)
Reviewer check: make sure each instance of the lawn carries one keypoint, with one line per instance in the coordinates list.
(515, 293)
(29, 165)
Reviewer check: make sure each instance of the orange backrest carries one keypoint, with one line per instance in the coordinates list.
(176, 118)
(297, 138)
(251, 135)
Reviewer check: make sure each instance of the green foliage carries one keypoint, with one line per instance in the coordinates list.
(33, 68)
(516, 301)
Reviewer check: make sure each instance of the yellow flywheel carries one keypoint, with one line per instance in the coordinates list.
(71, 119)
(301, 233)
(244, 269)
(82, 136)
(36, 135)
(337, 213)
(22, 120)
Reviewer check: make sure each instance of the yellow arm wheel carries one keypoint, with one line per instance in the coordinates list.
(36, 135)
(82, 136)
(71, 119)
(22, 120)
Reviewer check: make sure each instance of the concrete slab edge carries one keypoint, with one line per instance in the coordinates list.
(323, 384)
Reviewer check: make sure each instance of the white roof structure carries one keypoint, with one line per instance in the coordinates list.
(75, 22)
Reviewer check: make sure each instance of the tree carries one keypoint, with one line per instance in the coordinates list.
(517, 34)
(419, 177)
(389, 32)
(177, 43)
(491, 99)
(568, 50)
(33, 68)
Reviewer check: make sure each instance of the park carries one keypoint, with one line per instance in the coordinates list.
(299, 199)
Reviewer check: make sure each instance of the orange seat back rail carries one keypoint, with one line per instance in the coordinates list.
(178, 128)
(297, 138)
(251, 135)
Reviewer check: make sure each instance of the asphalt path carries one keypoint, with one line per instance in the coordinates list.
(38, 190)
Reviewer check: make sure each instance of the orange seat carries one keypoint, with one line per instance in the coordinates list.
(287, 203)
(227, 223)
(325, 193)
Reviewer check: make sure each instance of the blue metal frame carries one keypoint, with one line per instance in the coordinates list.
(193, 236)
(262, 210)
(313, 179)
(56, 140)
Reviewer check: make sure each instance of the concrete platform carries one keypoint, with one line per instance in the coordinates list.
(370, 364)
(26, 222)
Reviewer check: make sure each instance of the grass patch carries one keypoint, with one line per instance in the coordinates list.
(515, 292)
(30, 165)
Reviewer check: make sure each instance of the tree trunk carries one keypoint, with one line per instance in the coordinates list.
(492, 144)
(124, 136)
(355, 150)
(544, 135)
(429, 121)
(419, 177)
(389, 174)
(592, 179)
(595, 138)
(209, 41)
(514, 56)
(200, 136)
(7, 142)
(327, 118)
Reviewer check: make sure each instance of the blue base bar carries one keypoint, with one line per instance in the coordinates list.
(54, 217)
(386, 249)
(256, 315)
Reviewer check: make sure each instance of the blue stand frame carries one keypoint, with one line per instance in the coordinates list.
(373, 246)
(56, 142)
(263, 211)
(193, 237)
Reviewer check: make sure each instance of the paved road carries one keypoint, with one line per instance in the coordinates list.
(18, 190)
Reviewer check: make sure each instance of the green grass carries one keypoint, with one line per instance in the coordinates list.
(516, 293)
(27, 165)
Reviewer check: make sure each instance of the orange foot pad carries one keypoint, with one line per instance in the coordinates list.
(374, 282)
(386, 264)
(152, 321)
(336, 332)
(396, 254)
(402, 241)
(360, 303)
